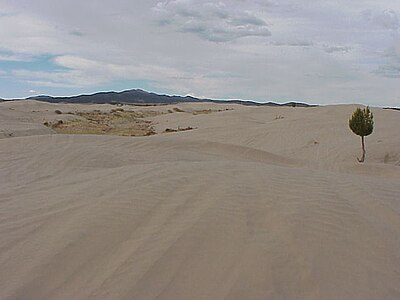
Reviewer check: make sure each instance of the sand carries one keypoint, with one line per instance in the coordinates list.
(253, 203)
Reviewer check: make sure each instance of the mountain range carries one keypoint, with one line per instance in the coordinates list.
(137, 96)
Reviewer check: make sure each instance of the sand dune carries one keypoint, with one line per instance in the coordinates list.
(245, 206)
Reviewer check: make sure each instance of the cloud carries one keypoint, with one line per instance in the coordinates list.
(74, 71)
(212, 21)
(14, 57)
(336, 49)
(391, 67)
(390, 71)
(26, 35)
(387, 19)
(76, 32)
(69, 71)
(292, 43)
(73, 78)
(75, 62)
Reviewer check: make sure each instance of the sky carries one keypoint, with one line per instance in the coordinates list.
(320, 51)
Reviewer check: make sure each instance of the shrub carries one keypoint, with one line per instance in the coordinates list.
(362, 124)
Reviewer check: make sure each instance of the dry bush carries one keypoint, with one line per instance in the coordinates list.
(168, 130)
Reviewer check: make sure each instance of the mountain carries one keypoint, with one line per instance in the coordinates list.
(137, 96)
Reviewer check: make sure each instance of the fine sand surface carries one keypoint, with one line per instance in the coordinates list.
(246, 205)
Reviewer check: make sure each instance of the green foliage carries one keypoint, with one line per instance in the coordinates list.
(362, 122)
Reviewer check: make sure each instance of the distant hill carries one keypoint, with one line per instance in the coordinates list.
(393, 108)
(137, 96)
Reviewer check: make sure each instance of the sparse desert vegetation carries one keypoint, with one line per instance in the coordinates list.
(169, 130)
(114, 122)
(119, 121)
(207, 111)
(198, 111)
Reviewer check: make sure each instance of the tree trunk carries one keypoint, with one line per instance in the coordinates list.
(363, 151)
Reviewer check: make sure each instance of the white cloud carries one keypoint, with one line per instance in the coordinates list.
(14, 57)
(26, 35)
(81, 72)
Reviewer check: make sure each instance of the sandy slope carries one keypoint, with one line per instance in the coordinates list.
(243, 207)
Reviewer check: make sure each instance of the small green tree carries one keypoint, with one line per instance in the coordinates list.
(362, 124)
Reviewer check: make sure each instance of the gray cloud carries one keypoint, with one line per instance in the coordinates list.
(292, 43)
(390, 71)
(336, 49)
(387, 19)
(391, 67)
(76, 32)
(212, 21)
